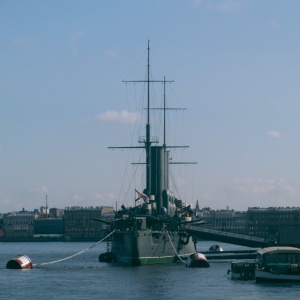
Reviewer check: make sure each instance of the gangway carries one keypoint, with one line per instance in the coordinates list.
(227, 237)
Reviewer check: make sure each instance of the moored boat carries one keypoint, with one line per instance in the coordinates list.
(244, 270)
(215, 248)
(278, 264)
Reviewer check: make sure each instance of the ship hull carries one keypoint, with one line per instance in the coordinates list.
(148, 247)
(261, 276)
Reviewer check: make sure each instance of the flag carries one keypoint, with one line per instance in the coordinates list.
(141, 196)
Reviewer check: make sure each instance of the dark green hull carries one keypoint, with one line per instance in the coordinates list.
(146, 247)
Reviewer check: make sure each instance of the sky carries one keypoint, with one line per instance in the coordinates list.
(235, 66)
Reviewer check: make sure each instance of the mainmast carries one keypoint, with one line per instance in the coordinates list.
(148, 141)
(157, 159)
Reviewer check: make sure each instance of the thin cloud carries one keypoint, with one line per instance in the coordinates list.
(106, 196)
(40, 190)
(258, 187)
(18, 41)
(223, 6)
(73, 41)
(273, 134)
(77, 199)
(197, 3)
(254, 186)
(123, 116)
(258, 192)
(275, 24)
(98, 196)
(111, 53)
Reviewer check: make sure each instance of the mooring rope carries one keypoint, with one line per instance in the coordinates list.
(76, 254)
(174, 248)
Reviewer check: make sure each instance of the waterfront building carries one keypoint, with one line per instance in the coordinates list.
(271, 222)
(19, 224)
(48, 227)
(280, 224)
(79, 222)
(1, 225)
(241, 225)
(226, 220)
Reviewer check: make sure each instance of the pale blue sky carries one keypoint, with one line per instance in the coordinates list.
(236, 66)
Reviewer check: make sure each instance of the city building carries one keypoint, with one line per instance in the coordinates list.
(79, 222)
(280, 224)
(56, 212)
(19, 224)
(225, 220)
(48, 227)
(271, 222)
(1, 225)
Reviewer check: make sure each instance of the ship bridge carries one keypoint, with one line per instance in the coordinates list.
(227, 237)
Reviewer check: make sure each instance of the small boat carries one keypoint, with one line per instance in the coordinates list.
(197, 260)
(215, 248)
(278, 264)
(244, 270)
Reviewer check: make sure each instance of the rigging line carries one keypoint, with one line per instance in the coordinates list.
(130, 182)
(120, 176)
(133, 126)
(174, 248)
(176, 97)
(123, 180)
(74, 255)
(159, 63)
(137, 62)
(157, 248)
(185, 185)
(125, 174)
(128, 109)
(193, 181)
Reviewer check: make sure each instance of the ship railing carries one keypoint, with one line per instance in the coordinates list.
(154, 139)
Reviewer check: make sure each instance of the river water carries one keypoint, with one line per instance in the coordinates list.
(83, 277)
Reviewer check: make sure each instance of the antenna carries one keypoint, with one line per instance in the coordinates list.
(46, 205)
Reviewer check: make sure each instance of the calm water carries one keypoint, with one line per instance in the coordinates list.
(83, 277)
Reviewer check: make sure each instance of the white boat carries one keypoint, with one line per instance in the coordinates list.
(278, 264)
(215, 248)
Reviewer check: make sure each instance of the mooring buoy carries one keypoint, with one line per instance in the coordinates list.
(197, 260)
(19, 262)
(106, 257)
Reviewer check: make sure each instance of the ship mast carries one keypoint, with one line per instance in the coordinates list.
(148, 141)
(150, 181)
(164, 144)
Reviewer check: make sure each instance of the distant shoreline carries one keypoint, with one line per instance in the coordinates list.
(49, 239)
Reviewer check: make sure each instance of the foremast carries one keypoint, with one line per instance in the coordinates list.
(154, 161)
(148, 135)
(157, 157)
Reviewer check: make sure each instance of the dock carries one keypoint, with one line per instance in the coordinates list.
(238, 254)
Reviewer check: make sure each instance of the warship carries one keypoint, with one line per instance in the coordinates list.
(153, 230)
